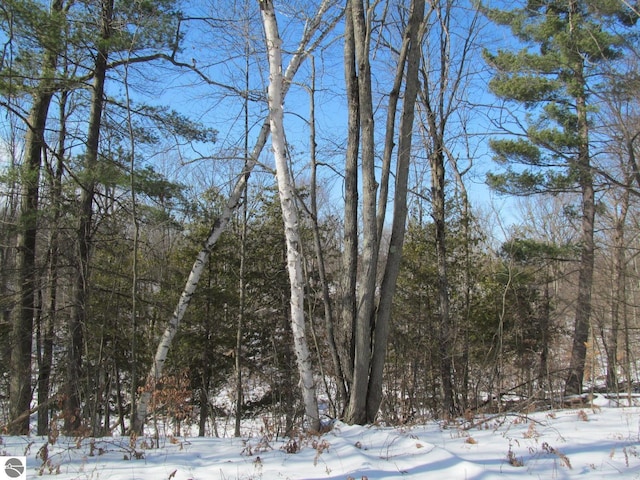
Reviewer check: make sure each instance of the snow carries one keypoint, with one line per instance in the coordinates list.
(589, 443)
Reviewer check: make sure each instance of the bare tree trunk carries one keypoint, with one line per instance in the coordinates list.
(326, 297)
(290, 216)
(631, 156)
(370, 324)
(620, 294)
(241, 319)
(629, 361)
(22, 324)
(45, 357)
(205, 371)
(544, 384)
(394, 256)
(241, 273)
(220, 224)
(350, 240)
(77, 322)
(356, 409)
(443, 80)
(134, 249)
(439, 218)
(584, 173)
(585, 281)
(466, 224)
(446, 327)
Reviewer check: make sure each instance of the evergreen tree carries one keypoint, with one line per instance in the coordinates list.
(414, 371)
(40, 31)
(564, 43)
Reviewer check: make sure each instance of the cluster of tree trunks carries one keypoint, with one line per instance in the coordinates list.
(553, 156)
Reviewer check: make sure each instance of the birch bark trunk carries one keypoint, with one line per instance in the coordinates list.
(289, 215)
(155, 372)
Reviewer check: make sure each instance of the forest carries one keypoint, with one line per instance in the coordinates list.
(373, 211)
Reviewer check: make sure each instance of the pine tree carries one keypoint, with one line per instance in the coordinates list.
(39, 32)
(564, 43)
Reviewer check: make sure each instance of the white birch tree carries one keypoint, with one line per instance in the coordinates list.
(289, 214)
(307, 44)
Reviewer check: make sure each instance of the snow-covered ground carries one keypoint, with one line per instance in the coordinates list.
(587, 443)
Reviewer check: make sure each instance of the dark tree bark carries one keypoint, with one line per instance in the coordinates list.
(371, 315)
(22, 322)
(350, 240)
(78, 319)
(46, 337)
(587, 255)
(356, 409)
(413, 40)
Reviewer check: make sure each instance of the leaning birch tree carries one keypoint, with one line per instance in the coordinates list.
(306, 45)
(289, 214)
